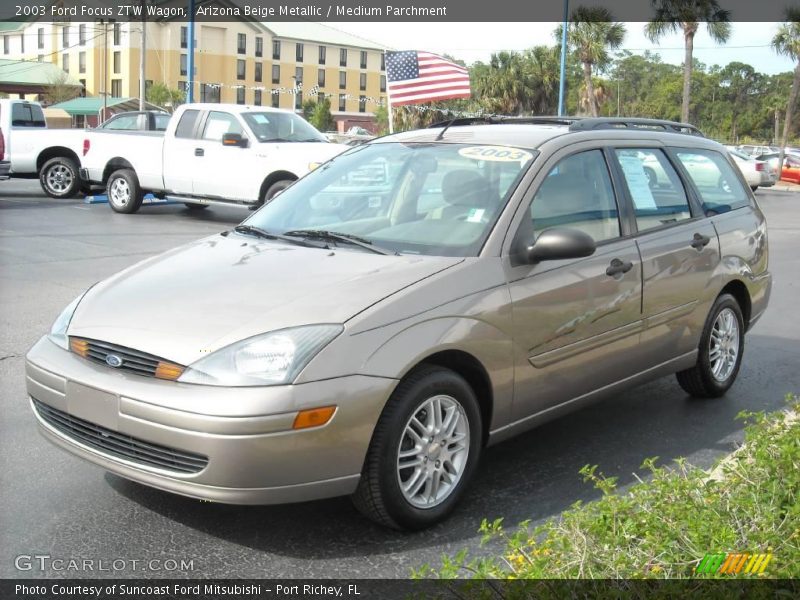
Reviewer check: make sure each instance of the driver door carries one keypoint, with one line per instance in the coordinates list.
(221, 171)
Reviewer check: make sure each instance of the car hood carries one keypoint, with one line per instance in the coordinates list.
(198, 298)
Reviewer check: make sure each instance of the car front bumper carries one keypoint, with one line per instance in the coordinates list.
(253, 454)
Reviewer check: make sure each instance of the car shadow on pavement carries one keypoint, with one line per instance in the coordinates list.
(533, 476)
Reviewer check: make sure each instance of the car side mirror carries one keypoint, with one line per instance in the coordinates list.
(234, 139)
(561, 243)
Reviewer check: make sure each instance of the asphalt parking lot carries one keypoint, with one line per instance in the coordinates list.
(54, 504)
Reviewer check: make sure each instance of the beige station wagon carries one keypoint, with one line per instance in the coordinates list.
(376, 325)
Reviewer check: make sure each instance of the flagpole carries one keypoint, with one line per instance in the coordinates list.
(388, 97)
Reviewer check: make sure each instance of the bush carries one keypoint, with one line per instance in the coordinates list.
(663, 527)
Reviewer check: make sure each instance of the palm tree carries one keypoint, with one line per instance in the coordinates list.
(686, 15)
(787, 43)
(591, 33)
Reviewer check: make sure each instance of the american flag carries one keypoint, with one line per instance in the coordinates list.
(415, 77)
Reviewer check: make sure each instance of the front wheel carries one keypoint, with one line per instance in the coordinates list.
(59, 178)
(423, 452)
(720, 352)
(124, 194)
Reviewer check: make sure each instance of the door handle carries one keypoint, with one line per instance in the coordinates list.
(199, 152)
(618, 266)
(700, 241)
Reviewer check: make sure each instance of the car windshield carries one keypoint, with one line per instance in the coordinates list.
(417, 198)
(281, 127)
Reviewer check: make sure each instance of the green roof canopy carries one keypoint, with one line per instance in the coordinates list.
(28, 72)
(93, 105)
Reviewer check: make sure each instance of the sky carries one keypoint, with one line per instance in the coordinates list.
(749, 42)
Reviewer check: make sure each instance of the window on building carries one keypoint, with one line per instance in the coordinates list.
(322, 52)
(320, 97)
(65, 62)
(383, 83)
(342, 102)
(40, 58)
(241, 69)
(241, 43)
(240, 95)
(298, 53)
(298, 100)
(343, 57)
(363, 63)
(65, 37)
(209, 92)
(184, 37)
(383, 62)
(183, 87)
(184, 70)
(6, 44)
(298, 74)
(362, 104)
(259, 47)
(362, 81)
(117, 34)
(259, 72)
(82, 34)
(276, 73)
(276, 99)
(342, 80)
(83, 87)
(80, 121)
(321, 77)
(40, 37)
(117, 62)
(257, 97)
(276, 50)
(116, 88)
(82, 62)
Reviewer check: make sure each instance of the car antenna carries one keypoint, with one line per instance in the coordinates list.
(446, 127)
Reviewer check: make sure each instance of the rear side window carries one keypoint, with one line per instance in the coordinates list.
(654, 186)
(123, 123)
(715, 180)
(27, 115)
(185, 127)
(161, 122)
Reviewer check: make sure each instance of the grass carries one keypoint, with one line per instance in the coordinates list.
(662, 527)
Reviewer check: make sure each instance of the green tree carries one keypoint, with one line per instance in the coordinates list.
(321, 116)
(741, 82)
(382, 119)
(161, 95)
(787, 43)
(591, 34)
(308, 108)
(60, 89)
(686, 15)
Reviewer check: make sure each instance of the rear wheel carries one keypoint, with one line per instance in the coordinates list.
(59, 178)
(124, 194)
(275, 189)
(720, 352)
(423, 452)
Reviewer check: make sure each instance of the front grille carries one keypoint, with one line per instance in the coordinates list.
(132, 361)
(120, 445)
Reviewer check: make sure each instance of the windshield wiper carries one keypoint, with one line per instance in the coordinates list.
(345, 238)
(263, 233)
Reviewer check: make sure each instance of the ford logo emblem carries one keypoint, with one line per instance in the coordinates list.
(112, 360)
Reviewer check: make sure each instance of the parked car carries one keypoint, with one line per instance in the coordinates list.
(755, 172)
(147, 120)
(51, 155)
(5, 166)
(791, 166)
(754, 150)
(209, 154)
(372, 328)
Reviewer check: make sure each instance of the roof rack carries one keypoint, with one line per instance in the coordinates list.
(498, 119)
(593, 123)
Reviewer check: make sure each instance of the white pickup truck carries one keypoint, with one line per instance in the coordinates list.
(33, 151)
(209, 154)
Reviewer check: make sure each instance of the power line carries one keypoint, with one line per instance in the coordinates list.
(31, 64)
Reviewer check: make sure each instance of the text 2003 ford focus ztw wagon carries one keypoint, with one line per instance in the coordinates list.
(372, 328)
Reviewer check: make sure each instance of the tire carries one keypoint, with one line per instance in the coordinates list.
(195, 207)
(380, 495)
(712, 378)
(276, 187)
(124, 194)
(59, 178)
(754, 187)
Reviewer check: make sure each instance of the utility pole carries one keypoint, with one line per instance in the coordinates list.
(104, 89)
(142, 58)
(190, 59)
(617, 95)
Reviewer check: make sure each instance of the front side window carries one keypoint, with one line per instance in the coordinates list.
(271, 127)
(416, 198)
(220, 123)
(718, 185)
(577, 193)
(654, 187)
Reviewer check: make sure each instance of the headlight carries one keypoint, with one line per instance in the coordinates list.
(58, 332)
(270, 359)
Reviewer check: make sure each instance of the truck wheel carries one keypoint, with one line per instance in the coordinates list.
(124, 194)
(59, 178)
(276, 187)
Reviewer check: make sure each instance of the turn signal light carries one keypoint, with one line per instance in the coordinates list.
(170, 371)
(79, 346)
(313, 417)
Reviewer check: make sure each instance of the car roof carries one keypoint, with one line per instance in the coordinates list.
(234, 108)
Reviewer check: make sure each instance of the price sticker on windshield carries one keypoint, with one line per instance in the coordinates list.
(496, 154)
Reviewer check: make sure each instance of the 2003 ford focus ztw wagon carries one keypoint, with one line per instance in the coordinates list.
(372, 328)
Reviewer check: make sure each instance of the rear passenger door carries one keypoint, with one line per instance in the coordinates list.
(679, 250)
(576, 321)
(179, 150)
